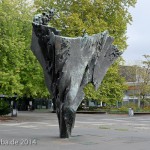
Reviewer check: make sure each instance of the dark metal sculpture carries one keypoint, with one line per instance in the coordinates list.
(69, 64)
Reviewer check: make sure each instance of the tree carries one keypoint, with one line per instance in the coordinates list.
(112, 89)
(74, 18)
(143, 80)
(139, 76)
(20, 72)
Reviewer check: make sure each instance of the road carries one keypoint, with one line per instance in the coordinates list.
(38, 131)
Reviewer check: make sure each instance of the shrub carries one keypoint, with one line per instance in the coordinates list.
(92, 108)
(4, 107)
(123, 109)
(146, 109)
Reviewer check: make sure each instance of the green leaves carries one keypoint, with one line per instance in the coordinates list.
(73, 17)
(111, 89)
(92, 16)
(20, 72)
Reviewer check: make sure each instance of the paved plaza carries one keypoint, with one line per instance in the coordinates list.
(39, 131)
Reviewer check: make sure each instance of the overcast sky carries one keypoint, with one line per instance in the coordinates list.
(138, 33)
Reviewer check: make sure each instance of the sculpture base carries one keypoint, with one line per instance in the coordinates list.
(66, 118)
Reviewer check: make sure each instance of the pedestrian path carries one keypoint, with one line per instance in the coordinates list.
(29, 125)
(130, 122)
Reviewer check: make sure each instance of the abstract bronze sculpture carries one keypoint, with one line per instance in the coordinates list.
(69, 64)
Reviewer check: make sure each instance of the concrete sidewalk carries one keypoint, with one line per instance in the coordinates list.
(38, 131)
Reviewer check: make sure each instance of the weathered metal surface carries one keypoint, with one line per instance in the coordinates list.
(69, 64)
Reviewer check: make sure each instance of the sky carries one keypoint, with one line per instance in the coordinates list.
(138, 33)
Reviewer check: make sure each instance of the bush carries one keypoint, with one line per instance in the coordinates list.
(123, 109)
(92, 108)
(4, 107)
(146, 109)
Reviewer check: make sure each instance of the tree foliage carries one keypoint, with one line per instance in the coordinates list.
(74, 17)
(143, 79)
(20, 72)
(139, 77)
(111, 90)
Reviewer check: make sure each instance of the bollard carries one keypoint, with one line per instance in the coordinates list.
(131, 112)
(14, 110)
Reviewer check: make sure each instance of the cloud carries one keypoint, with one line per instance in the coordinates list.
(139, 32)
